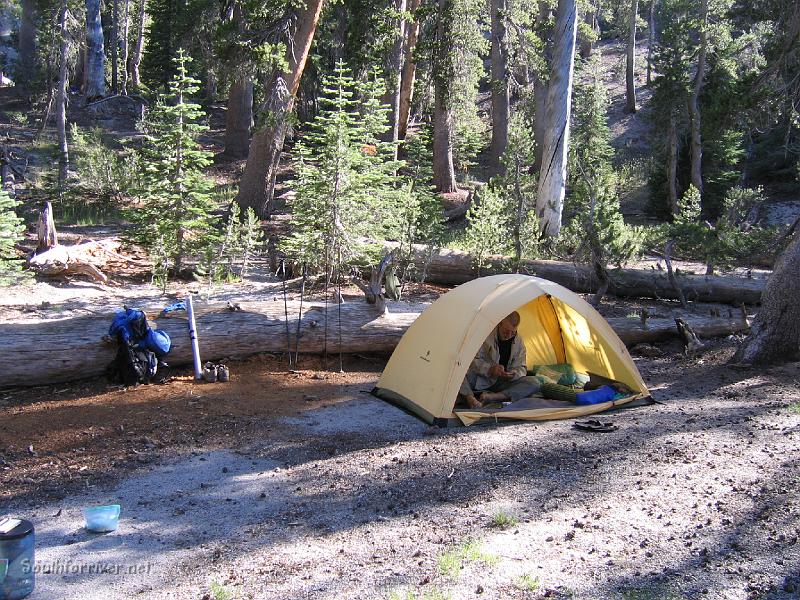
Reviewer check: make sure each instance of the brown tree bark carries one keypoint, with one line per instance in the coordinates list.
(553, 175)
(46, 234)
(61, 97)
(587, 44)
(409, 70)
(672, 164)
(501, 98)
(651, 39)
(125, 47)
(115, 47)
(540, 87)
(696, 144)
(630, 63)
(239, 118)
(258, 180)
(26, 48)
(775, 333)
(138, 49)
(394, 74)
(444, 176)
(239, 115)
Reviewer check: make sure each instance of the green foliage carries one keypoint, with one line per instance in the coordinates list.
(174, 219)
(220, 591)
(451, 562)
(427, 594)
(11, 230)
(528, 583)
(732, 238)
(597, 224)
(172, 26)
(346, 184)
(102, 171)
(502, 520)
(451, 49)
(486, 220)
(420, 212)
(237, 243)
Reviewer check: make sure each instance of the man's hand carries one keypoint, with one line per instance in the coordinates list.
(496, 371)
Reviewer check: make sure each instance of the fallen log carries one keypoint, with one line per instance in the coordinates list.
(454, 267)
(28, 354)
(87, 258)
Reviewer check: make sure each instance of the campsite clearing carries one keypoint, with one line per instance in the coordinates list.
(284, 485)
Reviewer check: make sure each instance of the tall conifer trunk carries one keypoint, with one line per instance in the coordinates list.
(590, 19)
(444, 177)
(239, 116)
(630, 63)
(61, 97)
(125, 47)
(27, 48)
(409, 70)
(499, 84)
(94, 86)
(553, 175)
(138, 49)
(651, 39)
(540, 90)
(258, 180)
(115, 47)
(672, 164)
(696, 146)
(394, 74)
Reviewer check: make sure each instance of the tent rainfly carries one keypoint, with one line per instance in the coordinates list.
(427, 367)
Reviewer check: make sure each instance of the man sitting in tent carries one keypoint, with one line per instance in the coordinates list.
(499, 373)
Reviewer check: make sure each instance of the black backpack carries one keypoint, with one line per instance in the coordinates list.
(132, 366)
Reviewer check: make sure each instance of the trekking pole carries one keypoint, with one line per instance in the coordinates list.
(198, 370)
(299, 318)
(286, 313)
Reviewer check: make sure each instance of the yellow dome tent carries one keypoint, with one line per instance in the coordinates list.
(427, 367)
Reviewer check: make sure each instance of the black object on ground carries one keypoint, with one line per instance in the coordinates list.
(595, 425)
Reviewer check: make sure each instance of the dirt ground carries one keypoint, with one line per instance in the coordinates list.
(297, 484)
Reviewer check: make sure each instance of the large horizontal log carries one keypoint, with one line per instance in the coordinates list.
(454, 267)
(56, 351)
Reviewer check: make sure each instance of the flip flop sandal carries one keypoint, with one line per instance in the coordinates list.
(595, 425)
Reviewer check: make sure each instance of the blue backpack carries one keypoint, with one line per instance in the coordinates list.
(140, 349)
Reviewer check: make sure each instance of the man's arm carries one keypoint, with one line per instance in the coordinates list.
(482, 363)
(517, 363)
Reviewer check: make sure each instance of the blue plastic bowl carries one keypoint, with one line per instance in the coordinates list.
(102, 518)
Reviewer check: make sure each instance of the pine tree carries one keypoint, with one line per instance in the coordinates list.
(518, 186)
(174, 220)
(346, 187)
(11, 228)
(598, 220)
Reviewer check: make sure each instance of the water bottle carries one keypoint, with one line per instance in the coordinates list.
(16, 558)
